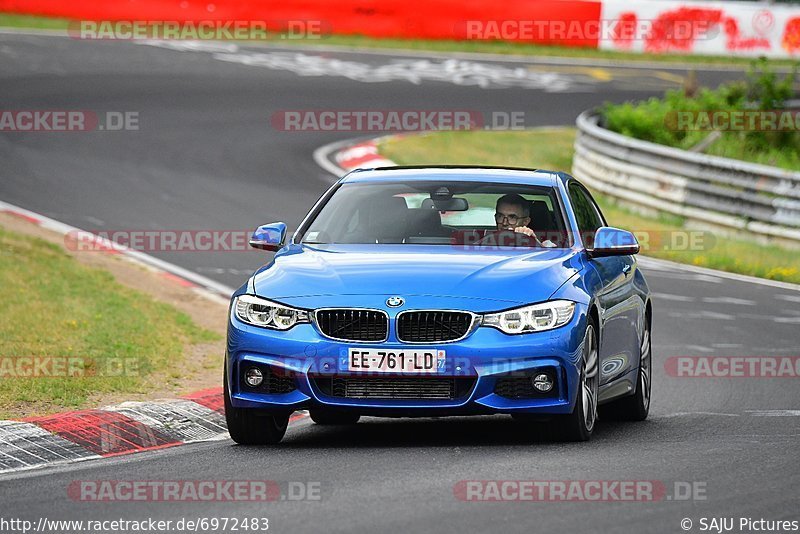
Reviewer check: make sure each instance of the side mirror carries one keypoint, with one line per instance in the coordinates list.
(610, 241)
(269, 236)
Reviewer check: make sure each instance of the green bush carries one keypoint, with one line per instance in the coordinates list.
(654, 119)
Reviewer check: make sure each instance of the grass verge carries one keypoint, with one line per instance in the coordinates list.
(552, 149)
(32, 22)
(102, 338)
(9, 20)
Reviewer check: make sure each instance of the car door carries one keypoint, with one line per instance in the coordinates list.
(616, 297)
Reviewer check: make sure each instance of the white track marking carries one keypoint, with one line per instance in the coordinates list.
(788, 320)
(699, 348)
(770, 318)
(704, 314)
(181, 45)
(415, 71)
(751, 413)
(94, 220)
(729, 300)
(675, 298)
(690, 414)
(676, 274)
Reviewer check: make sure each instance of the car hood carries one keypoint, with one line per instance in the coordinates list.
(365, 275)
(424, 275)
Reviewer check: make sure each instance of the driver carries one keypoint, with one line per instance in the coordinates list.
(512, 216)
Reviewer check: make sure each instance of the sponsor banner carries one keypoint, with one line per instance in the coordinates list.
(716, 28)
(439, 19)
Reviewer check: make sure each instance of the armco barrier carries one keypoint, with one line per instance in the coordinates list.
(752, 199)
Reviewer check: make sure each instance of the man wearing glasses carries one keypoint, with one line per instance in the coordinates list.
(512, 216)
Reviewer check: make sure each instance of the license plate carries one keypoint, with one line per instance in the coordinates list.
(395, 361)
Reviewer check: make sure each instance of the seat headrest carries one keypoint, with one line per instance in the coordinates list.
(543, 222)
(388, 218)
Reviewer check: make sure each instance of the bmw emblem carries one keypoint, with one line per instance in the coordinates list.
(395, 302)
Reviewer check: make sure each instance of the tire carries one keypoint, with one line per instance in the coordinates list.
(579, 425)
(246, 427)
(326, 417)
(635, 407)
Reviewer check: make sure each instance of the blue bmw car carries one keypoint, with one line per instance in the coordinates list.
(434, 291)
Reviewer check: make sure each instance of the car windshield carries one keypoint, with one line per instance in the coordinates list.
(476, 214)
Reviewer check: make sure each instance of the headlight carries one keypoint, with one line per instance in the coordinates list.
(535, 318)
(262, 312)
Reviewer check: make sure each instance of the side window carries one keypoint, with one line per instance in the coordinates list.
(586, 213)
(598, 212)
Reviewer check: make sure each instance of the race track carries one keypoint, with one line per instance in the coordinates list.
(206, 156)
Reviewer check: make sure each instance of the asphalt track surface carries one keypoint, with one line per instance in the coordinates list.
(207, 157)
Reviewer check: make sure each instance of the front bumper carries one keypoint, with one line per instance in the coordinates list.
(477, 363)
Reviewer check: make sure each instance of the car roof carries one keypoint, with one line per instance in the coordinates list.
(467, 173)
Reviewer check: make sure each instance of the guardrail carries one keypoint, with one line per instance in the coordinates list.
(758, 200)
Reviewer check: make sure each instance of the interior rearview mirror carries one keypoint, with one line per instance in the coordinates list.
(446, 204)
